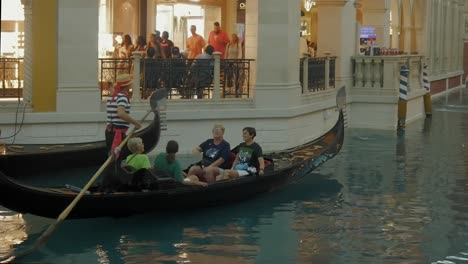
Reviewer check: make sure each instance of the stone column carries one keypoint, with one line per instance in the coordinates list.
(407, 27)
(461, 32)
(438, 32)
(216, 74)
(445, 35)
(395, 24)
(28, 58)
(339, 17)
(420, 26)
(78, 29)
(272, 29)
(44, 54)
(136, 94)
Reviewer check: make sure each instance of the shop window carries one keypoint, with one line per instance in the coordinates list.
(12, 26)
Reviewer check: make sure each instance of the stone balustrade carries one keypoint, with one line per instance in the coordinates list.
(380, 75)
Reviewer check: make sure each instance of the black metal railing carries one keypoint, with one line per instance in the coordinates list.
(108, 71)
(11, 77)
(184, 78)
(316, 70)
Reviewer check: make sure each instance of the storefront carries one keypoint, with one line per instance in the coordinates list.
(12, 29)
(144, 17)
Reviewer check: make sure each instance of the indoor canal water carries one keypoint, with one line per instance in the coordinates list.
(385, 198)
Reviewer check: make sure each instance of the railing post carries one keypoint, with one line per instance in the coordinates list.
(305, 74)
(136, 75)
(216, 77)
(327, 71)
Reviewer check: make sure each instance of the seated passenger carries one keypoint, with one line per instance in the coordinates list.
(137, 160)
(248, 159)
(216, 152)
(167, 163)
(201, 75)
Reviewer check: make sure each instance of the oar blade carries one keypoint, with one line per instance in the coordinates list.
(341, 98)
(157, 98)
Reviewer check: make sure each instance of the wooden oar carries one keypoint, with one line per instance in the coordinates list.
(155, 97)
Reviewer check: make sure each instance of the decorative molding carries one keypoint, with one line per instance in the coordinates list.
(331, 2)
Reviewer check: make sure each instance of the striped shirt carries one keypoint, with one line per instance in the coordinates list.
(112, 117)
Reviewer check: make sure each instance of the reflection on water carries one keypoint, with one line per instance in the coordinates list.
(12, 231)
(386, 198)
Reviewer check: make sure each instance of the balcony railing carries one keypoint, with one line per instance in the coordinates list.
(317, 73)
(381, 74)
(184, 78)
(11, 77)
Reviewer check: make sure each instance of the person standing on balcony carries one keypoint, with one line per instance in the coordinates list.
(232, 70)
(166, 45)
(153, 43)
(234, 48)
(118, 113)
(218, 39)
(140, 44)
(195, 43)
(126, 48)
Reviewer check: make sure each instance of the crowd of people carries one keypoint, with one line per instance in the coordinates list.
(164, 47)
(218, 162)
(189, 77)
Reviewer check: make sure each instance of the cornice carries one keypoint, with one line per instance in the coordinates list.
(331, 2)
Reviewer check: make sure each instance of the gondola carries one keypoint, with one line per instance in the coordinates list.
(283, 167)
(16, 160)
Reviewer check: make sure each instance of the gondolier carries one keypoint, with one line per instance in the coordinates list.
(118, 112)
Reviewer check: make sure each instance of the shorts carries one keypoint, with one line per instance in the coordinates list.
(249, 171)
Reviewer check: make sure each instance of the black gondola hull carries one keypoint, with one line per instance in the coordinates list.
(287, 165)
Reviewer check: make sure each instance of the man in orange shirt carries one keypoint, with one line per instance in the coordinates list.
(195, 43)
(218, 39)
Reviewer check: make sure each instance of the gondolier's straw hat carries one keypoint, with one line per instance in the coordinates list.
(123, 79)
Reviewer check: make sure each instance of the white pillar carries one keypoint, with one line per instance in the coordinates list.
(276, 32)
(216, 74)
(341, 17)
(407, 27)
(28, 62)
(395, 24)
(461, 33)
(136, 94)
(77, 66)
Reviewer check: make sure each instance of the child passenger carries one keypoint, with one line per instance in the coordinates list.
(248, 159)
(167, 162)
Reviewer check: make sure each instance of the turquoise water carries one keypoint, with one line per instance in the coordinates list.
(386, 198)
